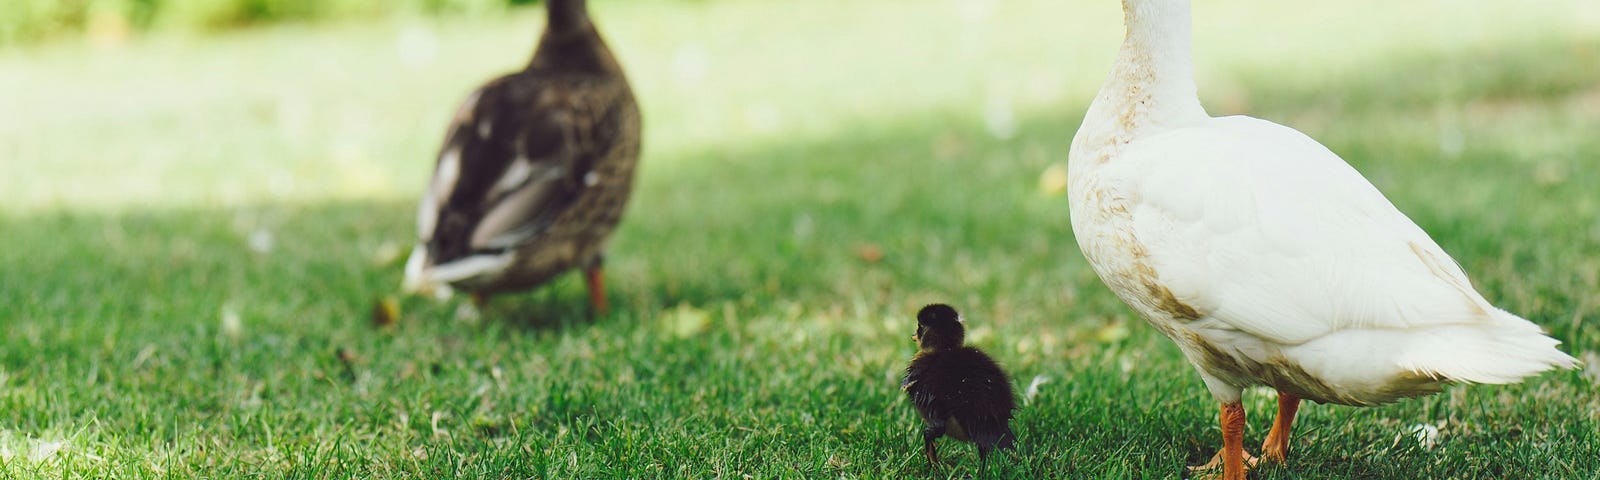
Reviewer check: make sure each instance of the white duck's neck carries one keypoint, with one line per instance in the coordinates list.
(1151, 86)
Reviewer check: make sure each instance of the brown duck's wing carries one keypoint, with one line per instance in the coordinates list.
(522, 148)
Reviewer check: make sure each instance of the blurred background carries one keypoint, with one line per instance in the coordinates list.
(200, 200)
(110, 22)
(249, 101)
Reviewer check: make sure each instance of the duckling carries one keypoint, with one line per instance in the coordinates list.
(957, 389)
(535, 171)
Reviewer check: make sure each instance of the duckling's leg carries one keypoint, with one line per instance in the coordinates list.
(1232, 458)
(983, 459)
(933, 432)
(1276, 448)
(480, 300)
(594, 276)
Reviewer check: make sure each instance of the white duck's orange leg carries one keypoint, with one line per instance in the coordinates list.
(1233, 465)
(1276, 448)
(1232, 458)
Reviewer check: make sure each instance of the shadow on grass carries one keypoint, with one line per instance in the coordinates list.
(768, 218)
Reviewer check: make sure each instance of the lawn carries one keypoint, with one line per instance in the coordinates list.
(194, 231)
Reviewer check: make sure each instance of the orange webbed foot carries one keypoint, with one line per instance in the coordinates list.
(1212, 470)
(1276, 447)
(1232, 459)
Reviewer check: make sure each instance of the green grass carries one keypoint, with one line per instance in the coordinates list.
(749, 337)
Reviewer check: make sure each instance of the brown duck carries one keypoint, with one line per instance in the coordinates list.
(958, 390)
(535, 171)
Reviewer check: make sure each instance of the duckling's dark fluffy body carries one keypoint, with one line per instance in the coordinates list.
(958, 390)
(535, 171)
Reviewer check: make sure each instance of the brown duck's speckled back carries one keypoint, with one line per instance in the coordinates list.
(544, 161)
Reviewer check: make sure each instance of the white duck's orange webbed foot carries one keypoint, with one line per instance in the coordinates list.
(1212, 470)
(1232, 461)
(1276, 447)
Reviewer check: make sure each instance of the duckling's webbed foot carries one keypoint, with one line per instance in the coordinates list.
(983, 459)
(928, 449)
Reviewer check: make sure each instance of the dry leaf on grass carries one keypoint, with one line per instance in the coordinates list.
(869, 252)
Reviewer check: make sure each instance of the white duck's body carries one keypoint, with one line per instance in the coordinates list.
(1262, 254)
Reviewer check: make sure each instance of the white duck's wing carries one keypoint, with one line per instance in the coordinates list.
(1260, 227)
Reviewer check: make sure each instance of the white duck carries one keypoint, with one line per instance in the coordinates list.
(1267, 258)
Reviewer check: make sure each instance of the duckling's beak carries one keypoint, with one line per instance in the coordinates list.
(915, 339)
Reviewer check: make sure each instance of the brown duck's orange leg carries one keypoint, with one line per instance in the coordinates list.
(1276, 448)
(595, 277)
(1232, 458)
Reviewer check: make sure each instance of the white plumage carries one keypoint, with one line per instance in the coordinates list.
(1262, 254)
(1289, 256)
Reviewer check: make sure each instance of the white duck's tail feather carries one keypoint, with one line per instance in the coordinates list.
(1505, 350)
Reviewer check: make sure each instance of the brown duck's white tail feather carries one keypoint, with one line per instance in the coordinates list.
(418, 279)
(1504, 351)
(473, 268)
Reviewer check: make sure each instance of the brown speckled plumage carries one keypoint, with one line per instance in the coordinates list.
(544, 164)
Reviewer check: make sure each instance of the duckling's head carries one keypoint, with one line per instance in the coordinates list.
(939, 328)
